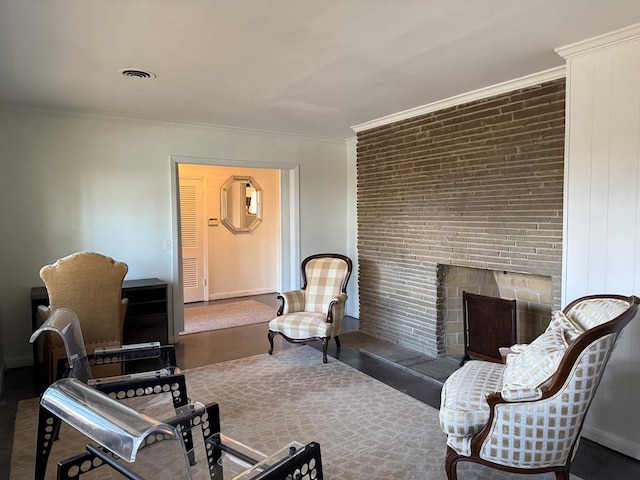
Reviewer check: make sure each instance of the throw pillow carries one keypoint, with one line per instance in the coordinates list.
(570, 328)
(526, 372)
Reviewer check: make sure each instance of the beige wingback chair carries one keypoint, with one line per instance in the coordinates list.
(526, 415)
(90, 284)
(316, 311)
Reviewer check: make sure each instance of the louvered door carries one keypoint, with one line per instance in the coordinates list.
(192, 231)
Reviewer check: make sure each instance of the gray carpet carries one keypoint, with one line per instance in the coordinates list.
(366, 429)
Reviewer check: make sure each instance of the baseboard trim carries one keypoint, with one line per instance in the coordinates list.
(614, 442)
(240, 293)
(352, 312)
(18, 362)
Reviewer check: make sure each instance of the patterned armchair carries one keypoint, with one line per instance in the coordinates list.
(314, 312)
(526, 416)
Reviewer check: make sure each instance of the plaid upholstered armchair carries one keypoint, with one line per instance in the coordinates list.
(314, 312)
(526, 416)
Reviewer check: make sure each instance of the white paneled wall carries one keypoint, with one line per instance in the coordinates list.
(602, 213)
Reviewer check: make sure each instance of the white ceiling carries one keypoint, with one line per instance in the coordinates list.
(313, 67)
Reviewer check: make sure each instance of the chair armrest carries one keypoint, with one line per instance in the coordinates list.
(336, 308)
(292, 301)
(92, 413)
(123, 311)
(338, 300)
(496, 399)
(44, 311)
(123, 353)
(506, 354)
(518, 347)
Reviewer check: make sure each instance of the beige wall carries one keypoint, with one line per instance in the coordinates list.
(243, 263)
(82, 182)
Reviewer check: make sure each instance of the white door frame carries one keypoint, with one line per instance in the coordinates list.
(289, 228)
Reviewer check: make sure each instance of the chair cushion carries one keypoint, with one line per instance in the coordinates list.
(526, 372)
(301, 325)
(463, 406)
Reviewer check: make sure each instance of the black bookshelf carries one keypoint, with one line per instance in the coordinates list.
(147, 317)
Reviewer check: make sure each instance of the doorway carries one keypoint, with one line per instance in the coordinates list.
(285, 260)
(221, 256)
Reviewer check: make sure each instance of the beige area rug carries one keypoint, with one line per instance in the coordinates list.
(226, 315)
(366, 429)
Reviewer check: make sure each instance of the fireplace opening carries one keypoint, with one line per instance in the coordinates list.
(532, 294)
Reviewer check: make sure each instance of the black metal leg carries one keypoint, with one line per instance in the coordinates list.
(48, 431)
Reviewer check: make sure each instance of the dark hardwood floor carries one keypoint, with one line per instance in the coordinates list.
(592, 462)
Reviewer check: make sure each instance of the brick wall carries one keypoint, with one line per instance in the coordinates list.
(475, 185)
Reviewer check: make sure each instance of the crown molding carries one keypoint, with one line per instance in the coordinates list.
(121, 117)
(600, 42)
(504, 87)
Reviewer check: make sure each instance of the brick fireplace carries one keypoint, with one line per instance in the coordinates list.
(474, 186)
(531, 292)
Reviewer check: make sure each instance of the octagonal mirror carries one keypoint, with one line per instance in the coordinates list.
(241, 204)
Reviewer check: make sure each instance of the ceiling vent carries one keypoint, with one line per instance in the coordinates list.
(136, 73)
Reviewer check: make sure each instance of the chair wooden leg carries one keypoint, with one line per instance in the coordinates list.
(325, 344)
(270, 336)
(450, 463)
(337, 342)
(562, 474)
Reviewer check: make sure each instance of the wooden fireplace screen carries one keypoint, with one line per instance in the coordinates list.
(489, 323)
